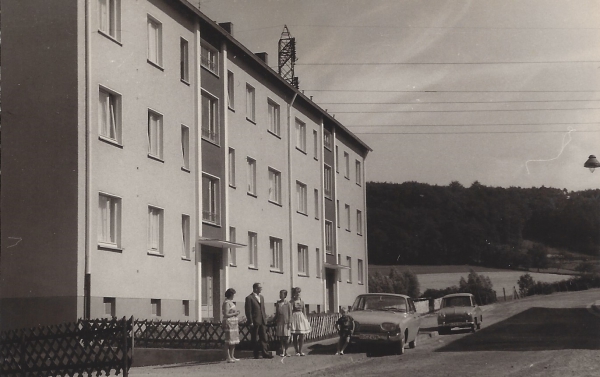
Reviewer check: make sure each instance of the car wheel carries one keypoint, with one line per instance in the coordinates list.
(401, 347)
(413, 344)
(479, 323)
(474, 326)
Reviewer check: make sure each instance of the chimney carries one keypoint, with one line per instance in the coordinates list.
(263, 56)
(228, 26)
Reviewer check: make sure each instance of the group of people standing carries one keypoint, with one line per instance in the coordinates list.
(290, 322)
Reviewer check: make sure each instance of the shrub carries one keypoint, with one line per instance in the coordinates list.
(480, 286)
(405, 283)
(525, 282)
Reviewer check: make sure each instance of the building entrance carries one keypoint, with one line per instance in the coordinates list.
(211, 263)
(330, 288)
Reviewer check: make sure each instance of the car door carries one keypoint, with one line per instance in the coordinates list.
(414, 319)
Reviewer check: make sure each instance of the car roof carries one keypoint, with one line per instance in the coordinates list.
(459, 295)
(383, 294)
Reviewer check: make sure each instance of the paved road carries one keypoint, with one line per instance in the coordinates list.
(555, 335)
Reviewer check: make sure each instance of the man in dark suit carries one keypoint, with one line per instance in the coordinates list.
(257, 320)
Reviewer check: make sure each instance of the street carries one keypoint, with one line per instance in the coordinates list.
(555, 335)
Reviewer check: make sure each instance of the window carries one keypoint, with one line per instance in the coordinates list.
(109, 306)
(358, 173)
(316, 204)
(316, 144)
(301, 195)
(300, 135)
(274, 186)
(185, 237)
(155, 230)
(347, 208)
(209, 58)
(184, 61)
(185, 306)
(211, 200)
(360, 272)
(109, 115)
(154, 41)
(210, 114)
(328, 237)
(110, 18)
(251, 173)
(185, 147)
(253, 250)
(337, 159)
(232, 250)
(250, 103)
(349, 264)
(230, 90)
(155, 307)
(231, 167)
(302, 260)
(337, 213)
(327, 140)
(274, 119)
(347, 162)
(276, 254)
(109, 222)
(155, 134)
(327, 181)
(359, 222)
(318, 260)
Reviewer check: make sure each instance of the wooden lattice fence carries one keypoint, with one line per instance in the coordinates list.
(207, 335)
(76, 348)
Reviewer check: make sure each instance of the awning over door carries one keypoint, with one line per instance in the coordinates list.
(219, 243)
(336, 266)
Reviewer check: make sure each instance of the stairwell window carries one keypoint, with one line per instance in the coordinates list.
(210, 118)
(328, 181)
(155, 135)
(109, 221)
(155, 230)
(327, 140)
(109, 12)
(109, 115)
(154, 41)
(209, 58)
(329, 237)
(211, 207)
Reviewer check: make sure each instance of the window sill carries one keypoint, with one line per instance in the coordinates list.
(253, 268)
(187, 170)
(110, 37)
(186, 82)
(231, 109)
(348, 178)
(348, 230)
(251, 121)
(361, 283)
(359, 234)
(298, 148)
(215, 143)
(329, 252)
(232, 265)
(186, 259)
(217, 225)
(328, 148)
(349, 282)
(302, 213)
(275, 203)
(316, 158)
(276, 271)
(155, 65)
(155, 254)
(233, 186)
(303, 275)
(358, 184)
(252, 194)
(155, 158)
(110, 141)
(274, 134)
(328, 198)
(216, 74)
(109, 247)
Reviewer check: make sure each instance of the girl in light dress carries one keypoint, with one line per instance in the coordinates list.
(283, 315)
(299, 323)
(230, 325)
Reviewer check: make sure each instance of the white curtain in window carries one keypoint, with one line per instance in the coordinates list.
(154, 134)
(153, 229)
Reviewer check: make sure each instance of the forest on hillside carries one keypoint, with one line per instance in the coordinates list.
(418, 223)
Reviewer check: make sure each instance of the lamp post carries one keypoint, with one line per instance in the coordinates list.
(592, 163)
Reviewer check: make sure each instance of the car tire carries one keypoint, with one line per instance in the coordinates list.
(413, 344)
(401, 348)
(479, 323)
(474, 326)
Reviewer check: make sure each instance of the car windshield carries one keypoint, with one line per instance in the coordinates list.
(387, 303)
(456, 301)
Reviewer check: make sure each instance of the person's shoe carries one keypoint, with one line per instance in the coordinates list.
(234, 359)
(268, 356)
(230, 361)
(297, 353)
(302, 354)
(337, 353)
(341, 352)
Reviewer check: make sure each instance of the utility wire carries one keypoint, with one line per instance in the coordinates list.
(451, 63)
(457, 111)
(470, 125)
(467, 132)
(452, 102)
(450, 91)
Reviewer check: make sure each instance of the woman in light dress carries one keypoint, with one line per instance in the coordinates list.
(230, 325)
(283, 315)
(299, 323)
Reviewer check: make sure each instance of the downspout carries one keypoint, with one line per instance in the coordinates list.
(87, 284)
(364, 225)
(290, 180)
(198, 130)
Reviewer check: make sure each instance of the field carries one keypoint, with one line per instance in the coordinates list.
(439, 277)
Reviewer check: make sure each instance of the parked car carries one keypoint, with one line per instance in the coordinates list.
(459, 310)
(385, 319)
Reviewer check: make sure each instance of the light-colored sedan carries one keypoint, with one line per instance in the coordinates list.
(385, 319)
(459, 310)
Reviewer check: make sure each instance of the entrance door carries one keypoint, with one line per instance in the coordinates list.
(209, 279)
(330, 287)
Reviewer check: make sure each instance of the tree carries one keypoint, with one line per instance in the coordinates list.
(539, 256)
(525, 282)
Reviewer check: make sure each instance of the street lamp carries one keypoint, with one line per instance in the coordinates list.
(592, 163)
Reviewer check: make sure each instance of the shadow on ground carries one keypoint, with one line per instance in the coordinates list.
(322, 349)
(535, 329)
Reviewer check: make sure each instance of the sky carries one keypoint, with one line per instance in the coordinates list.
(503, 92)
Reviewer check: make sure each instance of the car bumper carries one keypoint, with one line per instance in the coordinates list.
(382, 338)
(450, 325)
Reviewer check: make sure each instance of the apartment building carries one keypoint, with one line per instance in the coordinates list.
(151, 161)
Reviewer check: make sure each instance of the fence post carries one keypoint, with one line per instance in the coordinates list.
(125, 348)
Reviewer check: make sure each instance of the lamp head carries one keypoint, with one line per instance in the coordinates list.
(592, 163)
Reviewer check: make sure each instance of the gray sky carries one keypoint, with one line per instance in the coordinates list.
(379, 65)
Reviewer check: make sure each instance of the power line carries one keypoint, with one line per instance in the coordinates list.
(452, 102)
(472, 125)
(422, 27)
(451, 63)
(450, 91)
(468, 132)
(457, 111)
